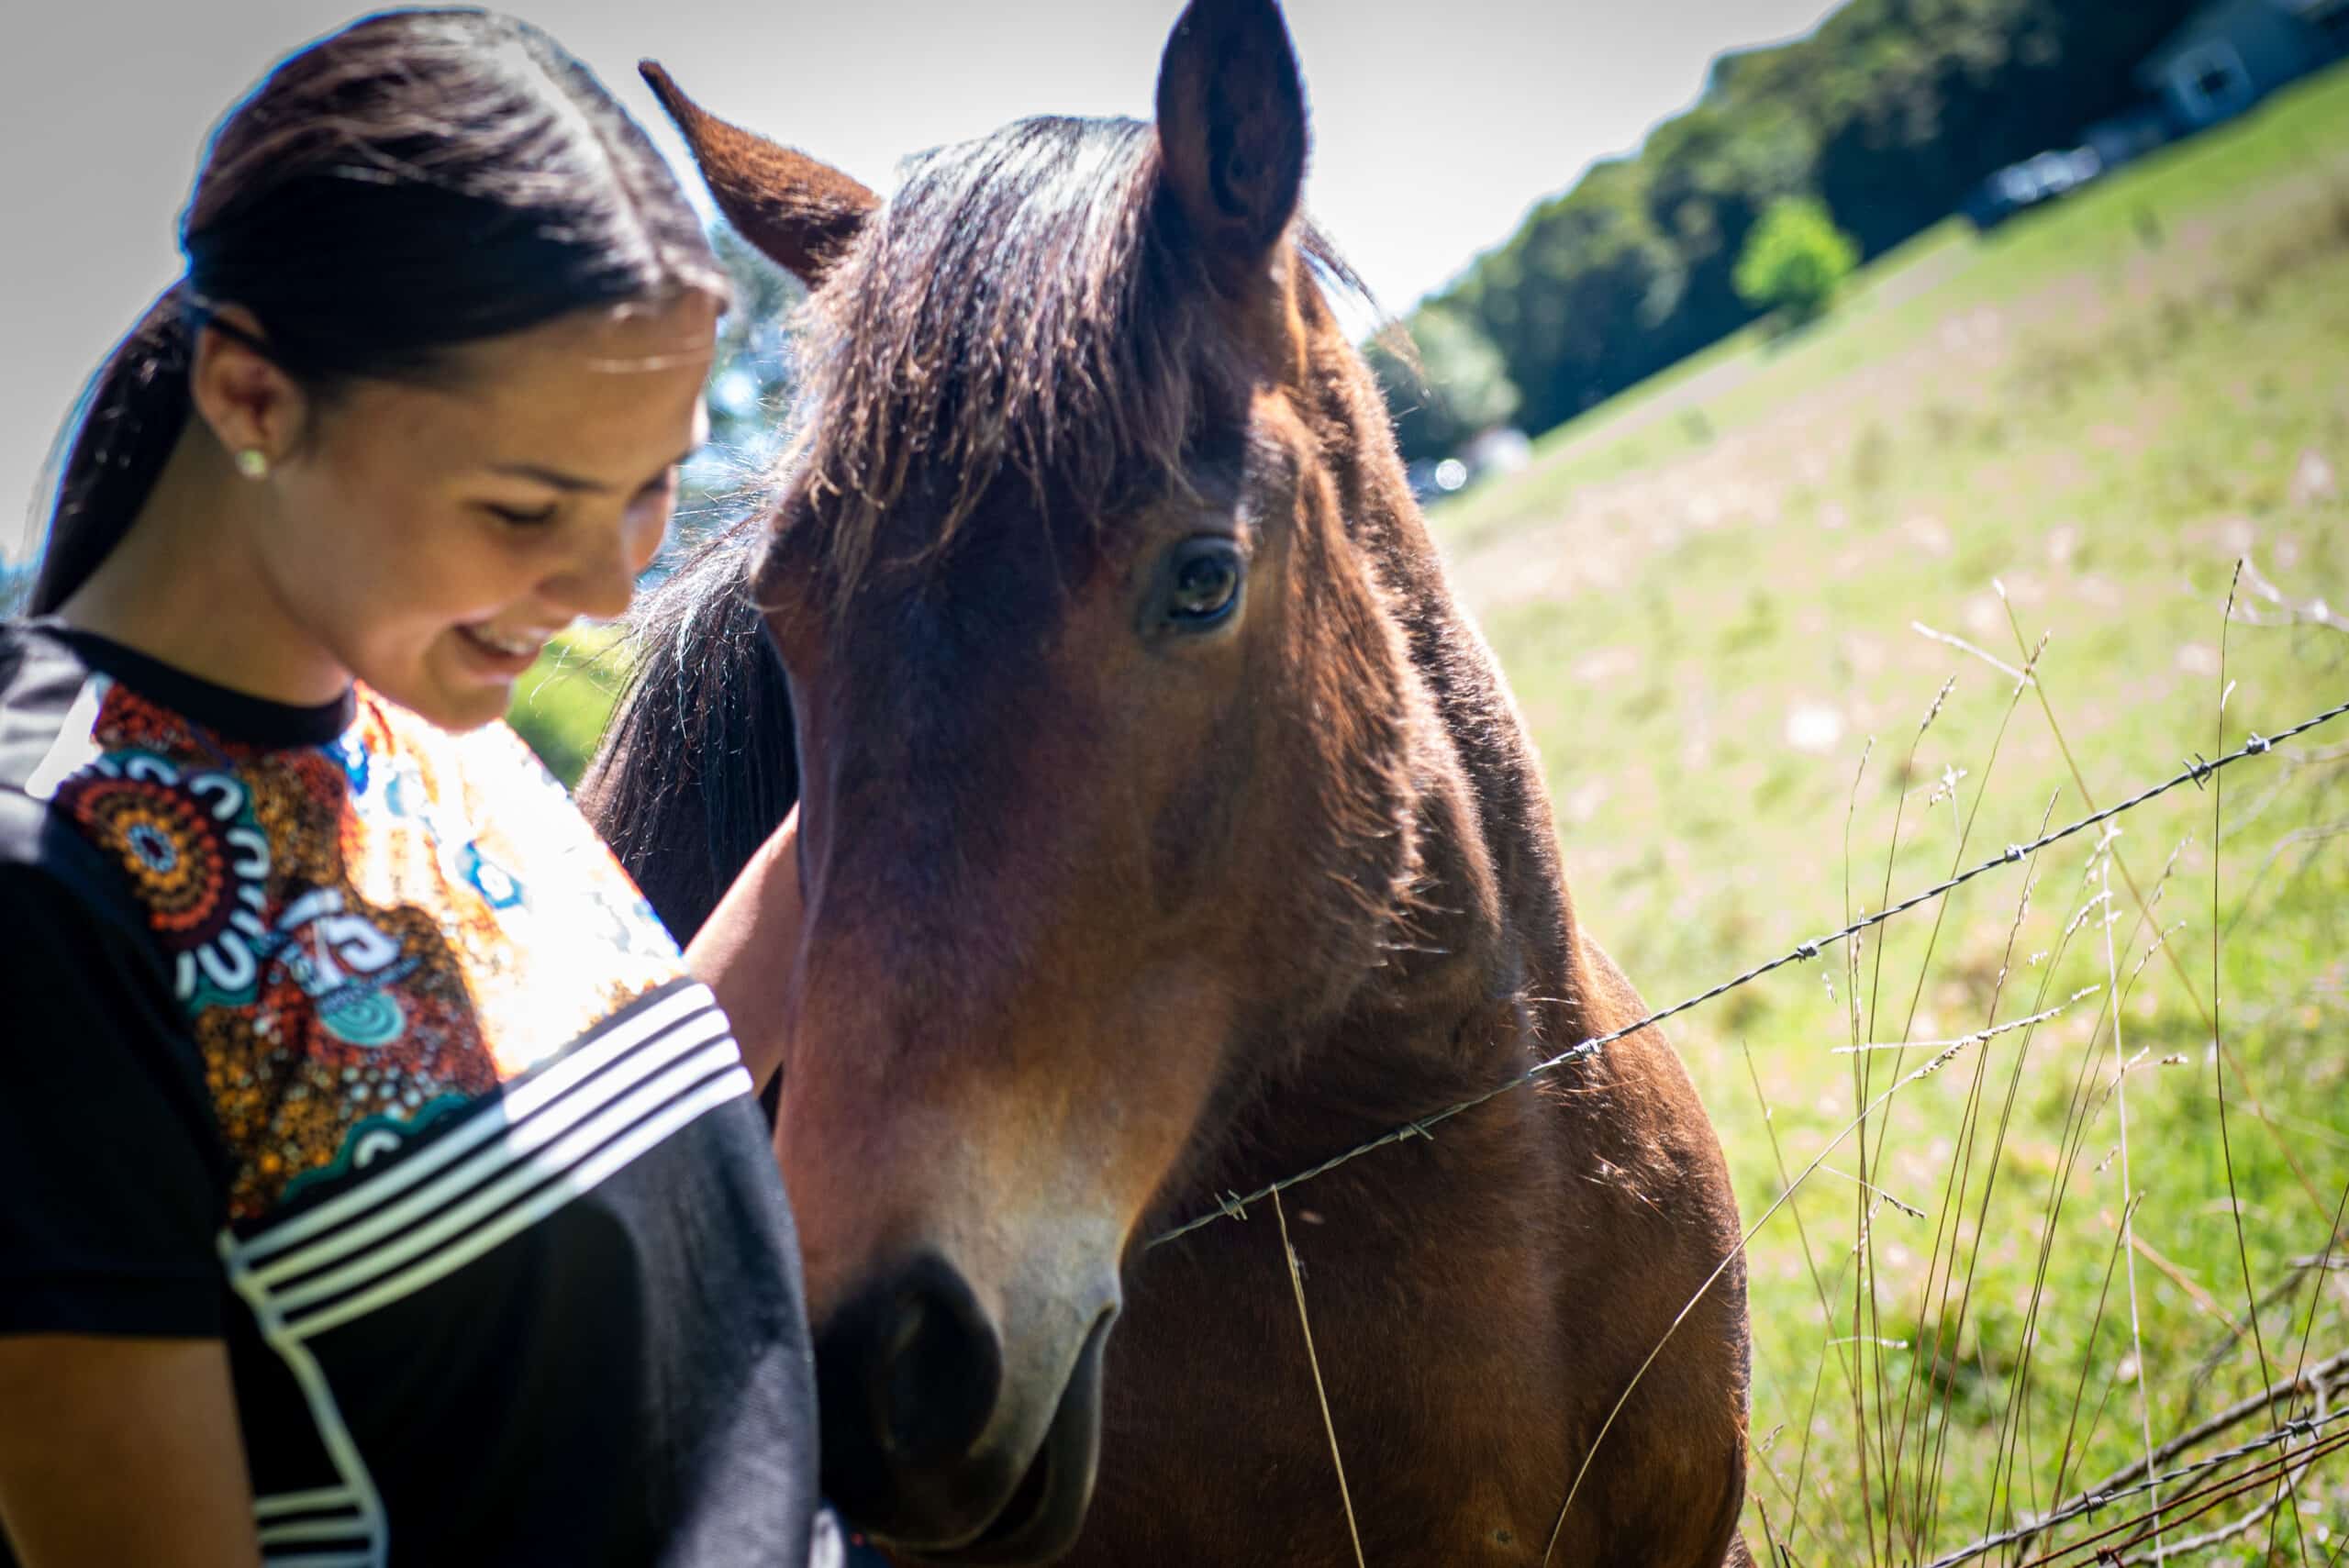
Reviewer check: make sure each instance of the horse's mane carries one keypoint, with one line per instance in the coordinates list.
(1004, 315)
(700, 763)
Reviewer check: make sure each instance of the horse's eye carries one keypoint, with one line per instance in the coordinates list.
(1203, 582)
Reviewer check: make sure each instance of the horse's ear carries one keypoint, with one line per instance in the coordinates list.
(1232, 131)
(800, 212)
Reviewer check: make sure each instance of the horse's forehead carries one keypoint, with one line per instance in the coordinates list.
(947, 627)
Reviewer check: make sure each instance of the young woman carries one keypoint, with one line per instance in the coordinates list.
(378, 1183)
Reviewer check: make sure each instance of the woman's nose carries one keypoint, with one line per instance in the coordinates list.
(601, 590)
(600, 582)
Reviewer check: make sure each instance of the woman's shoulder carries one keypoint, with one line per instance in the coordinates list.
(51, 872)
(49, 701)
(43, 678)
(486, 789)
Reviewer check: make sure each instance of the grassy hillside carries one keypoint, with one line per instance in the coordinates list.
(1713, 594)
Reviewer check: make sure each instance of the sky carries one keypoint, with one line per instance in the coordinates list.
(1436, 124)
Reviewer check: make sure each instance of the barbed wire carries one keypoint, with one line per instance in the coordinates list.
(2190, 1505)
(2329, 1375)
(1234, 1206)
(2096, 1502)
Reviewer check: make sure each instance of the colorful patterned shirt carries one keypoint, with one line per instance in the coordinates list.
(344, 1040)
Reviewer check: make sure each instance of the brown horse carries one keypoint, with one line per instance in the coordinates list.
(1164, 826)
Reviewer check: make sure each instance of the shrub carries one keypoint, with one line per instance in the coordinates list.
(1460, 385)
(1794, 260)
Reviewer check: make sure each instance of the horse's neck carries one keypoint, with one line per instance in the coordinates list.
(1485, 964)
(1484, 821)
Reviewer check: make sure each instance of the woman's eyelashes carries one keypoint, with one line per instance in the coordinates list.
(660, 487)
(660, 493)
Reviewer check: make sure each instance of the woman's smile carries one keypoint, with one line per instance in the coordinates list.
(504, 654)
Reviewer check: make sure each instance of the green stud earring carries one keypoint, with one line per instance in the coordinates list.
(253, 464)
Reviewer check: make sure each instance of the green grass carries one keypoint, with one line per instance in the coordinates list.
(561, 704)
(2100, 408)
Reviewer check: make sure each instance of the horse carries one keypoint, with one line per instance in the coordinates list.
(1166, 826)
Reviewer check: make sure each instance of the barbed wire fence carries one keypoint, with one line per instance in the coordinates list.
(2175, 1497)
(2328, 1381)
(1234, 1206)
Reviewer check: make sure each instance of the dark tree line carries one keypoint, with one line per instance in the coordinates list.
(1890, 114)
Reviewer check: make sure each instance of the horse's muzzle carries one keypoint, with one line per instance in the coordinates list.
(917, 1450)
(1041, 1520)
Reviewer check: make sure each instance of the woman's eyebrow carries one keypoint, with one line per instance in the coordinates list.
(554, 478)
(572, 484)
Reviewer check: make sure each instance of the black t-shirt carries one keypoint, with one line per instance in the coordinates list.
(344, 1040)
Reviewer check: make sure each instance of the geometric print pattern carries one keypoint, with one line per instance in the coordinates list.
(348, 926)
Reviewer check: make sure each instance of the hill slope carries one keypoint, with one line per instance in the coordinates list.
(1704, 595)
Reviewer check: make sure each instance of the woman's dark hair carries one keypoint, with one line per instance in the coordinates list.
(419, 180)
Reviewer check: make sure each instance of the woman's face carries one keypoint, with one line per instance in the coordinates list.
(430, 538)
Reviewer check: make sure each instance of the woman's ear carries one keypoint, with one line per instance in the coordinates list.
(249, 401)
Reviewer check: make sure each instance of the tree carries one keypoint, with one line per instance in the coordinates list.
(1711, 175)
(1890, 113)
(748, 394)
(1795, 260)
(1575, 296)
(1458, 388)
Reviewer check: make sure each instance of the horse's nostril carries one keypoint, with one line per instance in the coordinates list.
(939, 1370)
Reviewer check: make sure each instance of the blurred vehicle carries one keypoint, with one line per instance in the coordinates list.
(2034, 181)
(1504, 448)
(2129, 136)
(2223, 58)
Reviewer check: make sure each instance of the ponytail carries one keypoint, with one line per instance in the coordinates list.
(130, 419)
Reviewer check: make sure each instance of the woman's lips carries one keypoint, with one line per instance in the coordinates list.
(501, 653)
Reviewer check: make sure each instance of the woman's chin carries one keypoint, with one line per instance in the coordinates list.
(449, 692)
(472, 707)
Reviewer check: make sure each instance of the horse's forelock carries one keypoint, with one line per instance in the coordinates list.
(1018, 309)
(997, 315)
